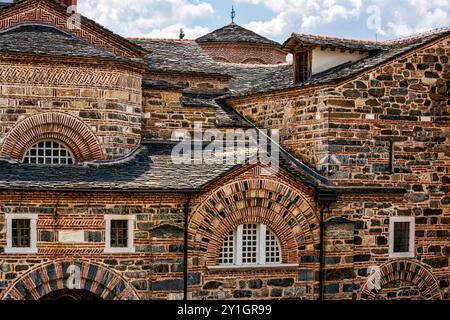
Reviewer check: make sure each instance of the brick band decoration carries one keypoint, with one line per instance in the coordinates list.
(284, 210)
(61, 275)
(52, 125)
(407, 271)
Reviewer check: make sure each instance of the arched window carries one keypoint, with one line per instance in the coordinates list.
(49, 152)
(250, 244)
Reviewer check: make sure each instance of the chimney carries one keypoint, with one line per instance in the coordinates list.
(69, 3)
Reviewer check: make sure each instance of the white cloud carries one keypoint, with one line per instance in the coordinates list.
(398, 18)
(148, 18)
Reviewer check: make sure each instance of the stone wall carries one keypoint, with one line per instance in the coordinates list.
(163, 114)
(345, 133)
(105, 97)
(286, 207)
(154, 271)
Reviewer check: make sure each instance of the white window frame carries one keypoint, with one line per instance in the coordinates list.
(412, 234)
(69, 152)
(33, 233)
(130, 245)
(260, 252)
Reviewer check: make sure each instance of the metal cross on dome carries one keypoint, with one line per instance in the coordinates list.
(233, 14)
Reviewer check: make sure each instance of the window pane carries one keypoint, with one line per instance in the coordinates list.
(21, 233)
(49, 152)
(272, 248)
(119, 233)
(227, 251)
(249, 243)
(401, 236)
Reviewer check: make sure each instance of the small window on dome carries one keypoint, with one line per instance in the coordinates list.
(49, 152)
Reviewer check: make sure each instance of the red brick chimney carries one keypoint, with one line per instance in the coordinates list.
(68, 3)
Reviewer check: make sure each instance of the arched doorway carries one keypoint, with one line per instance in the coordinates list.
(71, 280)
(71, 295)
(403, 280)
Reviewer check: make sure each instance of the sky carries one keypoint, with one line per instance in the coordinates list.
(275, 19)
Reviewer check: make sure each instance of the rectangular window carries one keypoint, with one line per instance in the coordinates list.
(21, 233)
(227, 250)
(302, 66)
(119, 233)
(401, 237)
(249, 244)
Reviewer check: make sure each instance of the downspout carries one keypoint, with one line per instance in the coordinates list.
(322, 253)
(186, 241)
(325, 198)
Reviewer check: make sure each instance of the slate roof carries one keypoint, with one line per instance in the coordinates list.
(235, 33)
(245, 77)
(283, 79)
(47, 40)
(183, 56)
(310, 39)
(55, 4)
(149, 169)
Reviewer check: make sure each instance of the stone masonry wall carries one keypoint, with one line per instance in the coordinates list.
(105, 97)
(286, 207)
(345, 132)
(154, 271)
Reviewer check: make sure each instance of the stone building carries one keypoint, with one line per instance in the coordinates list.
(93, 205)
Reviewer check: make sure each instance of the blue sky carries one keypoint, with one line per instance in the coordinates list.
(276, 19)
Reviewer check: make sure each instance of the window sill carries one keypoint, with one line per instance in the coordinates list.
(20, 250)
(401, 255)
(119, 250)
(253, 267)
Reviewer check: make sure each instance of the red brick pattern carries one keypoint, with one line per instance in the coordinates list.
(415, 274)
(55, 276)
(52, 125)
(244, 53)
(30, 12)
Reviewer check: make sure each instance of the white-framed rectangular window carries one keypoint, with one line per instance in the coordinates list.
(401, 237)
(119, 233)
(21, 233)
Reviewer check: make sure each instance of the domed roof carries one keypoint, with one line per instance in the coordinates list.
(235, 33)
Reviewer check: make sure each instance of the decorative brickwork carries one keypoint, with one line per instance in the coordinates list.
(245, 53)
(52, 125)
(419, 281)
(57, 275)
(373, 137)
(105, 98)
(288, 212)
(28, 12)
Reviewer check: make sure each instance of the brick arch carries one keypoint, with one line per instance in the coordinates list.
(54, 276)
(286, 211)
(254, 61)
(52, 125)
(222, 59)
(270, 218)
(409, 271)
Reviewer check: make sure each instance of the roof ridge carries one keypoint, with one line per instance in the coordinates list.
(362, 41)
(160, 39)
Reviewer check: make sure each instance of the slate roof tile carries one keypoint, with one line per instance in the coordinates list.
(184, 56)
(282, 79)
(48, 40)
(235, 33)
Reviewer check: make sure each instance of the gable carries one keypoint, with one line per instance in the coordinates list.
(49, 12)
